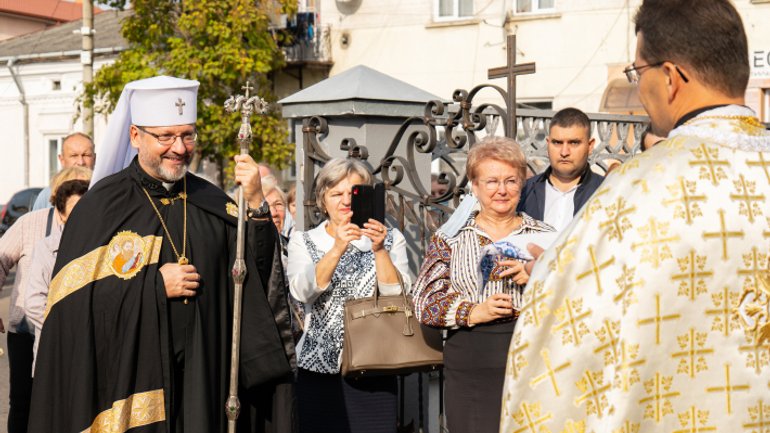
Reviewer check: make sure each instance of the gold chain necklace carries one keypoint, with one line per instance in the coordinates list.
(181, 259)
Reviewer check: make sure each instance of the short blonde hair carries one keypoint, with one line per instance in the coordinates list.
(69, 173)
(333, 173)
(502, 149)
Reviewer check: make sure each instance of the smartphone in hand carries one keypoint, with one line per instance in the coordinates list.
(368, 202)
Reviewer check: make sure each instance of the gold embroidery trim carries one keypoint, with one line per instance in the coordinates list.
(136, 410)
(92, 267)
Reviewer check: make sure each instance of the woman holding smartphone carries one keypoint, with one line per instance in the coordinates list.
(327, 266)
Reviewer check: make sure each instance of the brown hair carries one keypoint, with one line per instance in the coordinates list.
(502, 149)
(707, 36)
(66, 190)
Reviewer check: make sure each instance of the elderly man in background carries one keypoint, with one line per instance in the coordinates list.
(77, 150)
(650, 314)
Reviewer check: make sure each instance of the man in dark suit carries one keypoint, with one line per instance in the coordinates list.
(558, 193)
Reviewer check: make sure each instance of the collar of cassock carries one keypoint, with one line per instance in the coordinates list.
(154, 186)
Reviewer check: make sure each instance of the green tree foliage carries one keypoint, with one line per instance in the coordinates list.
(222, 44)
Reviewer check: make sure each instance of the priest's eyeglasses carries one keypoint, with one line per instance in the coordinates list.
(169, 139)
(633, 72)
(491, 184)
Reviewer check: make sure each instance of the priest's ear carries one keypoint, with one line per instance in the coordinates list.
(133, 136)
(675, 79)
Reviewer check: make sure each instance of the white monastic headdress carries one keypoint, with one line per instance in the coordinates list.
(156, 101)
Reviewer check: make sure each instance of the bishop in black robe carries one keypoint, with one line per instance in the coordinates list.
(116, 354)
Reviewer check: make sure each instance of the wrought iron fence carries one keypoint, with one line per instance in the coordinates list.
(447, 131)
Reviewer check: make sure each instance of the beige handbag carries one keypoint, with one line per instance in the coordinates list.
(382, 336)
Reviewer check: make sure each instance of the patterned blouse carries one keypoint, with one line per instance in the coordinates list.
(320, 347)
(447, 287)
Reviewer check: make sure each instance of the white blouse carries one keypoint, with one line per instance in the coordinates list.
(320, 347)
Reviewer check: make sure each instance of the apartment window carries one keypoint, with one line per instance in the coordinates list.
(765, 111)
(53, 155)
(56, 85)
(526, 6)
(453, 9)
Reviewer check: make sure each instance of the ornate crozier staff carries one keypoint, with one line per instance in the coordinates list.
(246, 105)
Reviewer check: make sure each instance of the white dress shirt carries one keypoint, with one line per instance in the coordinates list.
(559, 206)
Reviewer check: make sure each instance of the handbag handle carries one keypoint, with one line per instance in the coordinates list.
(408, 330)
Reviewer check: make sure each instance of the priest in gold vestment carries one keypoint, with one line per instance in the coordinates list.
(650, 312)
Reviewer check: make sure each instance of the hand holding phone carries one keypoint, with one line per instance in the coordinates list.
(368, 202)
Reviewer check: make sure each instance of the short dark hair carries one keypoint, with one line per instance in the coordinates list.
(705, 35)
(66, 190)
(570, 117)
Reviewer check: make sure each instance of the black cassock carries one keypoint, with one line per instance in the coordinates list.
(116, 354)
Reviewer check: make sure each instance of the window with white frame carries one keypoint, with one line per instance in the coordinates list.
(453, 9)
(526, 6)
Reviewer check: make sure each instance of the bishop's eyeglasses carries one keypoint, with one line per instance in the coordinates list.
(633, 72)
(188, 138)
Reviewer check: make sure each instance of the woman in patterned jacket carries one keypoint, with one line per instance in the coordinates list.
(327, 266)
(471, 283)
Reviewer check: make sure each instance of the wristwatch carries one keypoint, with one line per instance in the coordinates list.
(263, 211)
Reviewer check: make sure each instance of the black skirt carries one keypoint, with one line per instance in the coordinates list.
(474, 369)
(329, 403)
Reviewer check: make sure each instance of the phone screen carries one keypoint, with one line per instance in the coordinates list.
(368, 202)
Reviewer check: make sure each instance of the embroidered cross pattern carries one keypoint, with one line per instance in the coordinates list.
(728, 388)
(628, 427)
(725, 319)
(570, 316)
(654, 246)
(760, 418)
(694, 421)
(692, 279)
(762, 164)
(684, 197)
(710, 166)
(659, 395)
(723, 234)
(530, 417)
(657, 319)
(627, 375)
(516, 359)
(691, 358)
(617, 222)
(750, 201)
(609, 342)
(550, 373)
(594, 204)
(564, 256)
(626, 284)
(534, 310)
(757, 354)
(753, 271)
(592, 385)
(596, 268)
